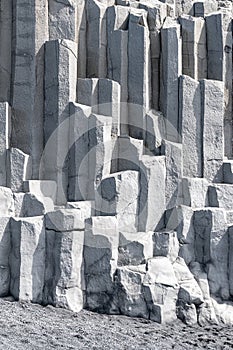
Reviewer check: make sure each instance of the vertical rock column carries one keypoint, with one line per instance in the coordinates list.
(170, 70)
(60, 89)
(30, 31)
(194, 53)
(219, 44)
(5, 126)
(5, 49)
(138, 72)
(117, 34)
(213, 129)
(191, 126)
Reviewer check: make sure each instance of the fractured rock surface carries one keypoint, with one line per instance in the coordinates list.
(116, 171)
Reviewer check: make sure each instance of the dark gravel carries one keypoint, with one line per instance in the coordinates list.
(29, 326)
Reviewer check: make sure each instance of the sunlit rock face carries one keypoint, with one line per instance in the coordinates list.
(116, 170)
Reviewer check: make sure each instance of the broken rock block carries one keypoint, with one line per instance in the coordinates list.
(152, 195)
(62, 220)
(187, 313)
(129, 291)
(6, 202)
(27, 259)
(20, 169)
(5, 115)
(211, 248)
(135, 248)
(64, 277)
(100, 260)
(189, 291)
(221, 196)
(29, 205)
(160, 271)
(85, 207)
(118, 195)
(5, 247)
(166, 244)
(41, 188)
(129, 153)
(161, 302)
(180, 219)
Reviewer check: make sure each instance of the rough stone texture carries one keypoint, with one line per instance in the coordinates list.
(27, 259)
(116, 168)
(118, 195)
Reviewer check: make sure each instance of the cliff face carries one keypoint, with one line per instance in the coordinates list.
(116, 178)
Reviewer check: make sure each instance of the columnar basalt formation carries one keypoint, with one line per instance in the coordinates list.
(116, 158)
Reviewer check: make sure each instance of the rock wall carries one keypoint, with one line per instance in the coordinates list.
(116, 170)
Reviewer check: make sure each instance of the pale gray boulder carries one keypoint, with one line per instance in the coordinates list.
(166, 244)
(160, 271)
(129, 153)
(62, 220)
(27, 259)
(155, 132)
(129, 291)
(135, 248)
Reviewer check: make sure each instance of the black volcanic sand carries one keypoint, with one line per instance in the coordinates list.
(29, 326)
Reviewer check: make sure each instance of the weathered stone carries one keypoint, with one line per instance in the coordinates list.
(109, 94)
(62, 220)
(152, 201)
(180, 219)
(170, 71)
(129, 153)
(28, 77)
(6, 202)
(160, 271)
(86, 207)
(135, 248)
(20, 169)
(63, 20)
(27, 259)
(194, 53)
(155, 126)
(64, 275)
(211, 248)
(129, 291)
(139, 87)
(5, 247)
(173, 185)
(213, 131)
(220, 195)
(195, 192)
(191, 126)
(100, 150)
(189, 291)
(87, 93)
(96, 39)
(161, 302)
(5, 126)
(60, 89)
(166, 244)
(187, 313)
(100, 260)
(219, 44)
(78, 170)
(118, 195)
